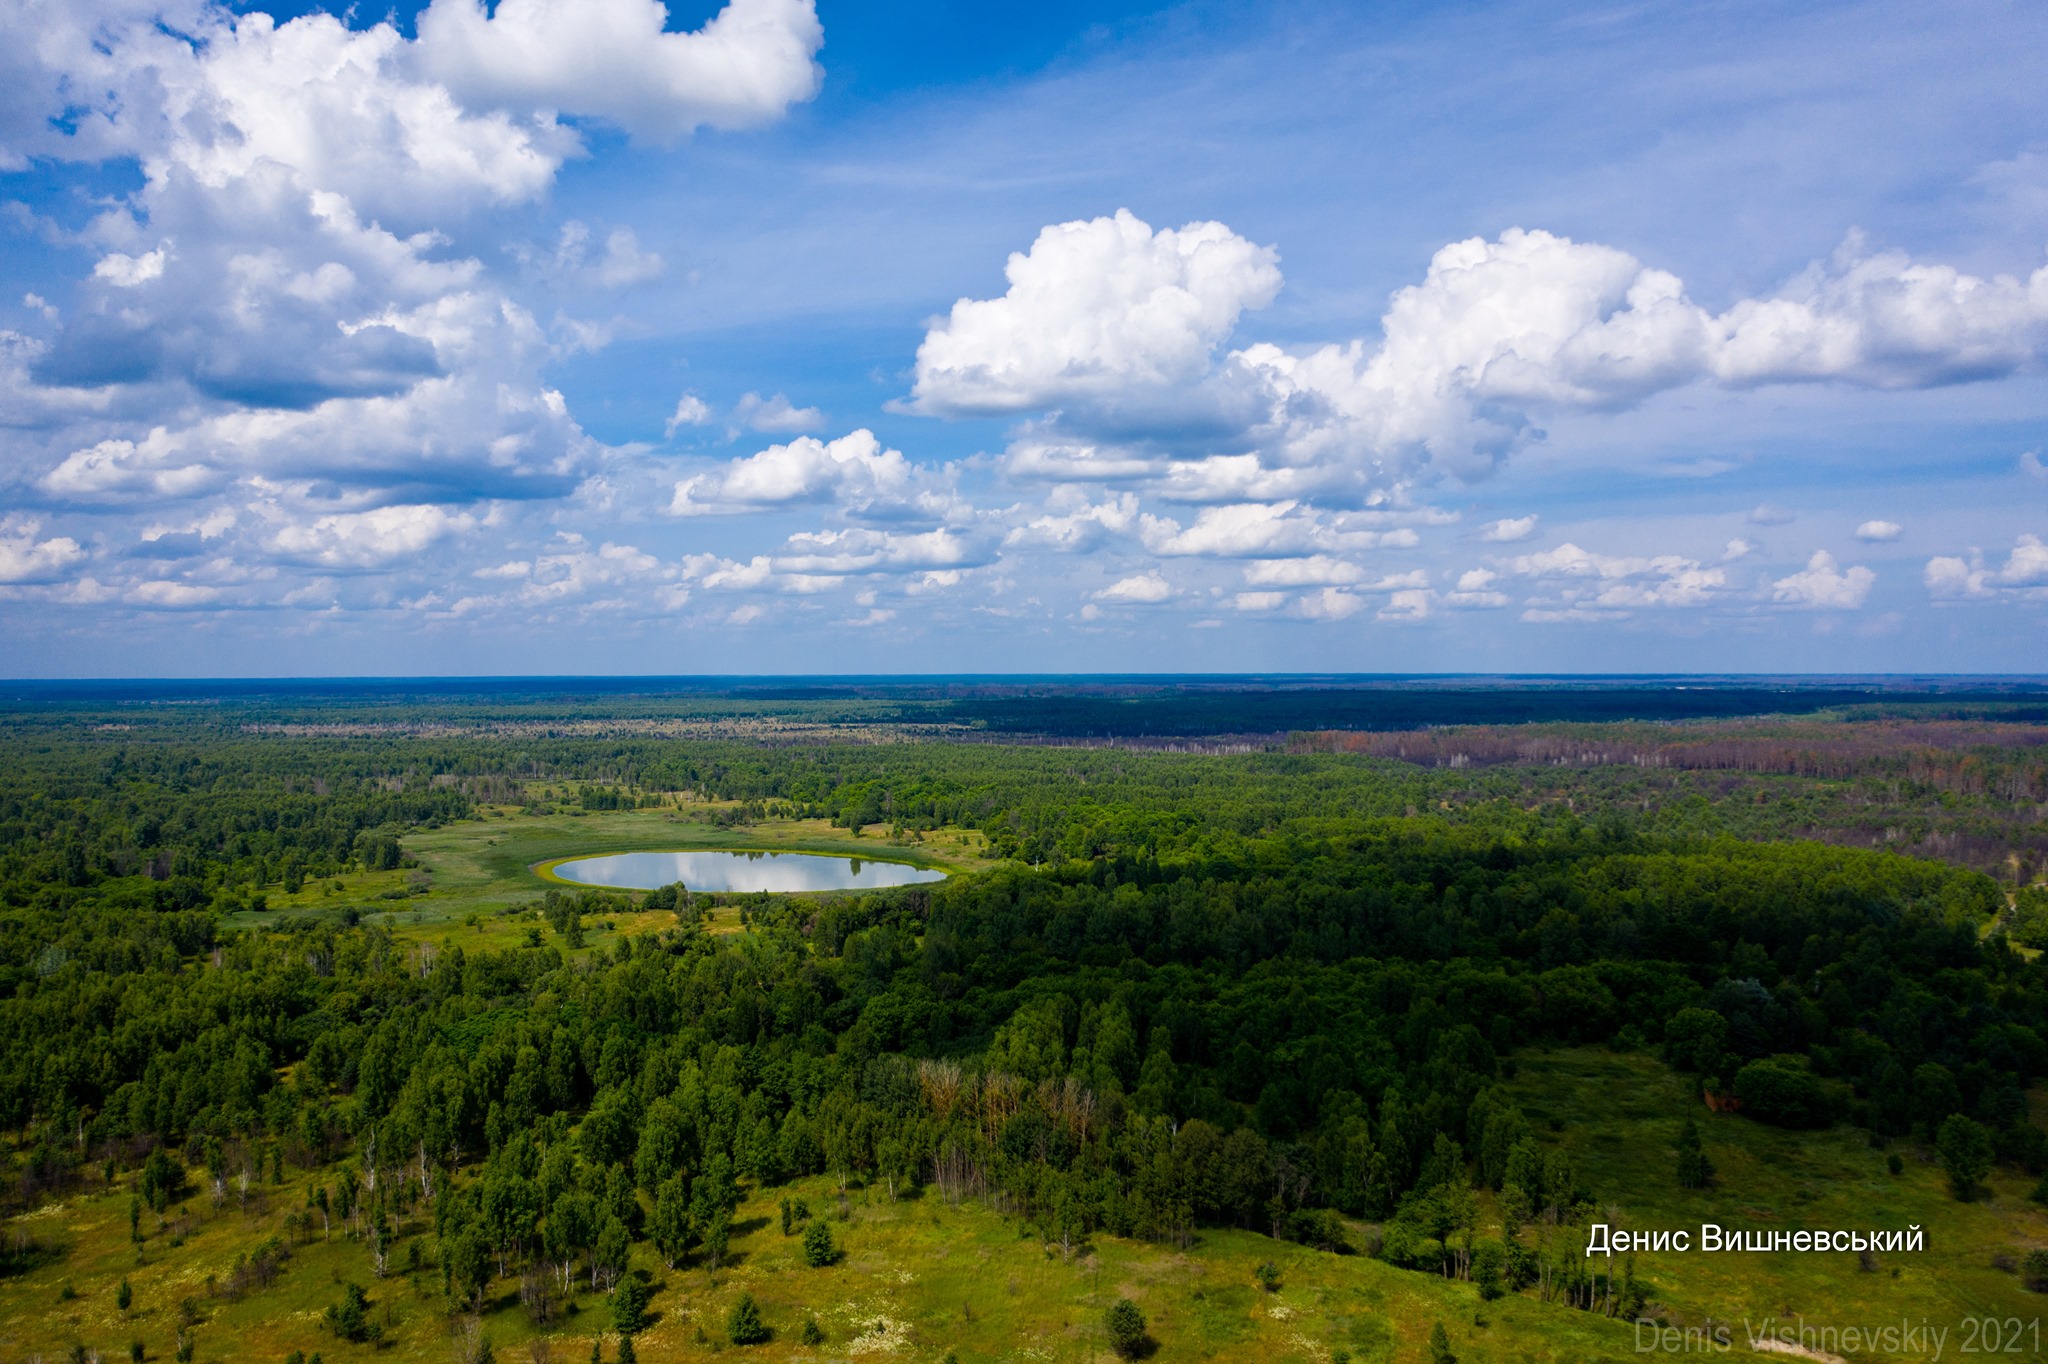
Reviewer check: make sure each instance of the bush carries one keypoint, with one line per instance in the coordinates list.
(1126, 1327)
(743, 1324)
(1268, 1275)
(1780, 1090)
(1964, 1146)
(2034, 1271)
(813, 1334)
(818, 1248)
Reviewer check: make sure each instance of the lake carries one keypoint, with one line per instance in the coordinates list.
(748, 871)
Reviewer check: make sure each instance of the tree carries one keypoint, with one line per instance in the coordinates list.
(743, 1324)
(1440, 1346)
(1964, 1146)
(609, 1258)
(818, 1248)
(124, 1296)
(1268, 1275)
(467, 1259)
(1695, 1171)
(716, 1236)
(627, 1354)
(350, 1317)
(1489, 1264)
(629, 1306)
(814, 1334)
(670, 1227)
(1125, 1326)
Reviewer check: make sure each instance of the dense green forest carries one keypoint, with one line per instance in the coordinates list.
(1281, 990)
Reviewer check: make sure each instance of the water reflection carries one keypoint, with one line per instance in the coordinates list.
(744, 871)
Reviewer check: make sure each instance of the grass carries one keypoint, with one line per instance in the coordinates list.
(486, 866)
(1621, 1115)
(933, 1277)
(939, 1277)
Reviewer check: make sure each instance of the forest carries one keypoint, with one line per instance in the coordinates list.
(1177, 999)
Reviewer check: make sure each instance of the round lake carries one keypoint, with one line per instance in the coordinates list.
(748, 871)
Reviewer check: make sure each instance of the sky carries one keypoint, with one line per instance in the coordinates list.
(598, 336)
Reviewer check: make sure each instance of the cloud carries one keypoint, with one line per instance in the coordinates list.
(776, 415)
(1879, 532)
(1508, 530)
(1113, 337)
(613, 59)
(1142, 589)
(2025, 571)
(1475, 591)
(1820, 586)
(1094, 310)
(1316, 570)
(1770, 514)
(854, 472)
(1262, 530)
(691, 410)
(1071, 529)
(861, 550)
(1584, 582)
(156, 469)
(621, 263)
(25, 559)
(370, 539)
(2031, 465)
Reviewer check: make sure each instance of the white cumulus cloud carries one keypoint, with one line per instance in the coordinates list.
(1094, 309)
(1821, 586)
(1879, 532)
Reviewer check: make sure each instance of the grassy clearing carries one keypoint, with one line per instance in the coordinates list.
(485, 866)
(935, 1277)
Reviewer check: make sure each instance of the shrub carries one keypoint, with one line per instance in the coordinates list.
(813, 1334)
(2034, 1271)
(818, 1248)
(1126, 1327)
(1268, 1275)
(743, 1324)
(1964, 1146)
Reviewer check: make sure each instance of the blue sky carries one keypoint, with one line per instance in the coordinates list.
(595, 337)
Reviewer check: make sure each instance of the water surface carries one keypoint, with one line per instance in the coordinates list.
(748, 871)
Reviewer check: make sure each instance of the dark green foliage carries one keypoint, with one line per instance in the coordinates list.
(2034, 1271)
(1268, 1275)
(1124, 1325)
(1440, 1345)
(124, 1296)
(1782, 1091)
(1695, 1171)
(1964, 1147)
(629, 1305)
(1489, 1269)
(743, 1324)
(818, 1248)
(350, 1318)
(812, 1334)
